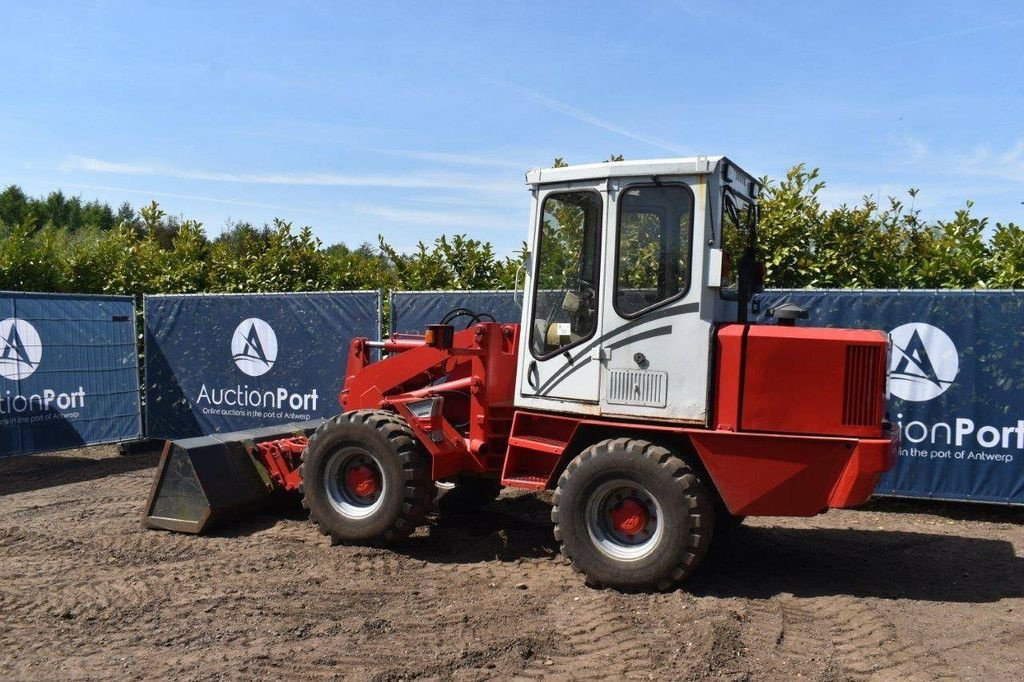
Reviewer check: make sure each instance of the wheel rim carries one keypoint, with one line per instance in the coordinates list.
(624, 520)
(354, 483)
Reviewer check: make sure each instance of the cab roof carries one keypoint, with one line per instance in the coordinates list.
(694, 165)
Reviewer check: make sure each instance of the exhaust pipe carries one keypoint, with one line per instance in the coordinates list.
(204, 481)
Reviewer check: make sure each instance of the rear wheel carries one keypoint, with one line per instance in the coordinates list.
(631, 515)
(365, 478)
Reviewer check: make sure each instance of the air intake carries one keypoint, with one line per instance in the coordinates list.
(644, 388)
(865, 374)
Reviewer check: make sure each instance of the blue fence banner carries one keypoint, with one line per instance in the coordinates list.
(412, 311)
(69, 372)
(226, 362)
(956, 386)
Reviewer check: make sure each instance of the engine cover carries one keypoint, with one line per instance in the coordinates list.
(801, 380)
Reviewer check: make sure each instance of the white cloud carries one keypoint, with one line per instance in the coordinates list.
(421, 181)
(588, 118)
(917, 150)
(454, 158)
(1004, 164)
(444, 219)
(195, 197)
(947, 34)
(99, 166)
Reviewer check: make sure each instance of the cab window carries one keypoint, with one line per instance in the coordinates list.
(654, 246)
(738, 221)
(568, 256)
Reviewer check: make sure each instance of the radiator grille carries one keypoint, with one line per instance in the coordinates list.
(862, 398)
(637, 387)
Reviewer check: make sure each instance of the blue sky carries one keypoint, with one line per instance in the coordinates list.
(415, 119)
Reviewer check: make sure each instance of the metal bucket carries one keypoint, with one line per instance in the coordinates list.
(211, 479)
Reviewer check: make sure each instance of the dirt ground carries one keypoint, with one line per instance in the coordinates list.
(897, 591)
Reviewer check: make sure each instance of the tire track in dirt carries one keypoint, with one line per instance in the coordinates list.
(862, 642)
(593, 639)
(473, 598)
(135, 546)
(96, 597)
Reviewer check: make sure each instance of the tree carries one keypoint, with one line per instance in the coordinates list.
(57, 243)
(13, 206)
(364, 267)
(1007, 261)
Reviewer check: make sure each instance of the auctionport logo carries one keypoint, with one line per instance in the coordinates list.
(924, 362)
(20, 349)
(254, 350)
(254, 347)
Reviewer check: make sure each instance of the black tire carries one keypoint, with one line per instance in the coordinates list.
(671, 496)
(470, 494)
(384, 450)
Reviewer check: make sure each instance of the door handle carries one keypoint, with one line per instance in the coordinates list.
(532, 375)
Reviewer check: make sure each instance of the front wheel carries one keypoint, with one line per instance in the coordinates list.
(365, 478)
(631, 515)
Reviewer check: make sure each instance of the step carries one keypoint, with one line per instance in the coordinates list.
(537, 444)
(525, 482)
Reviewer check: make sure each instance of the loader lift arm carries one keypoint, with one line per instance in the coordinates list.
(456, 397)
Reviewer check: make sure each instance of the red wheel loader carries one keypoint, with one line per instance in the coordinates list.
(634, 387)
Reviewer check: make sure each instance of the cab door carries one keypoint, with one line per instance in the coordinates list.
(656, 321)
(559, 344)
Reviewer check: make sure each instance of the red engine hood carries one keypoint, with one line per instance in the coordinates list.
(801, 380)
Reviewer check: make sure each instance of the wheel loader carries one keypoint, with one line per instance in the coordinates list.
(634, 387)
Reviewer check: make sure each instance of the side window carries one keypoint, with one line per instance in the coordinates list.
(568, 254)
(737, 218)
(654, 246)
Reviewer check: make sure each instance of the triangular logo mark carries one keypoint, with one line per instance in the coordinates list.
(14, 349)
(915, 353)
(253, 347)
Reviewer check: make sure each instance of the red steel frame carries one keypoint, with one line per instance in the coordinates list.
(475, 379)
(477, 431)
(282, 458)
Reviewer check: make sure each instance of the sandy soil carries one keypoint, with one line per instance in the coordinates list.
(896, 591)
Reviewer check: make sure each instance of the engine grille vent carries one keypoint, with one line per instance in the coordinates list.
(637, 387)
(862, 398)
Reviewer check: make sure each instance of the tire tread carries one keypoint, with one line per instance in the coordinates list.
(418, 488)
(699, 537)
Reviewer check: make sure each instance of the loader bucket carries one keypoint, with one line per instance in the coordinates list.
(211, 479)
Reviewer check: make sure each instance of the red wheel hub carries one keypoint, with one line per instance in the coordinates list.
(629, 516)
(362, 480)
